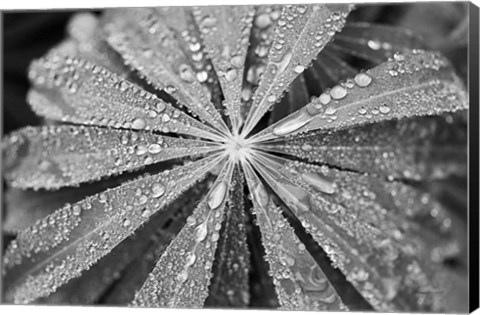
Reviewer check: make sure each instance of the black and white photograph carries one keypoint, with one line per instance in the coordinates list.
(303, 157)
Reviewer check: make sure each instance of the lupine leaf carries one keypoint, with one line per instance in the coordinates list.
(261, 39)
(299, 281)
(374, 42)
(151, 238)
(424, 147)
(226, 31)
(229, 285)
(189, 257)
(353, 242)
(62, 245)
(411, 84)
(151, 48)
(302, 31)
(25, 207)
(81, 154)
(75, 90)
(180, 20)
(138, 270)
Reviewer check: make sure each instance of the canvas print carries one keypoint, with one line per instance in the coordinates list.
(293, 157)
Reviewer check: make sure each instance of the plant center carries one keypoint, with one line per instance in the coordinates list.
(237, 148)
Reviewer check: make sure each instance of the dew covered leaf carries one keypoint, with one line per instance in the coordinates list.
(24, 207)
(150, 47)
(52, 157)
(363, 239)
(75, 90)
(180, 20)
(183, 272)
(261, 39)
(230, 282)
(226, 32)
(374, 42)
(298, 280)
(301, 33)
(418, 148)
(138, 270)
(59, 247)
(415, 83)
(134, 253)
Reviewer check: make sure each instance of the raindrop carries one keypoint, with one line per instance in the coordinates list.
(237, 62)
(165, 118)
(157, 190)
(182, 276)
(330, 110)
(141, 149)
(230, 75)
(284, 62)
(201, 231)
(319, 183)
(363, 79)
(202, 76)
(325, 98)
(154, 148)
(291, 124)
(299, 69)
(217, 195)
(76, 210)
(384, 109)
(190, 259)
(306, 147)
(263, 21)
(338, 92)
(139, 123)
(272, 98)
(374, 44)
(261, 195)
(208, 21)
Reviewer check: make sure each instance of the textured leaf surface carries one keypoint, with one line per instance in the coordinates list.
(366, 243)
(62, 245)
(78, 91)
(302, 31)
(58, 156)
(182, 274)
(24, 207)
(229, 285)
(225, 31)
(299, 281)
(138, 270)
(411, 84)
(424, 147)
(261, 39)
(152, 49)
(181, 22)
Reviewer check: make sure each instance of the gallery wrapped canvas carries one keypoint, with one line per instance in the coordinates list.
(299, 157)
